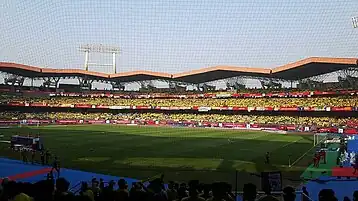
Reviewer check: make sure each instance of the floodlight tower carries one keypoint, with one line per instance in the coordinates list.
(100, 49)
(355, 26)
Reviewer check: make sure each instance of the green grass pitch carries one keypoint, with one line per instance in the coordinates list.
(179, 153)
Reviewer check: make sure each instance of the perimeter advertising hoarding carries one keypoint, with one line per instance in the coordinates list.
(204, 109)
(119, 107)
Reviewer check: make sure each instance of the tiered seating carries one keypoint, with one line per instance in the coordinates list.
(214, 118)
(209, 102)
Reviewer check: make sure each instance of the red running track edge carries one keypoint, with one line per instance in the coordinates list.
(28, 174)
(344, 172)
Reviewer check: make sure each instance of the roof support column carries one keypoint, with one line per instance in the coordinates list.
(51, 82)
(85, 83)
(117, 85)
(14, 80)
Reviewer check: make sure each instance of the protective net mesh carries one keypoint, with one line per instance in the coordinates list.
(174, 36)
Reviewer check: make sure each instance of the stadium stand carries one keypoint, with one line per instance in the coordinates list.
(258, 102)
(306, 111)
(179, 66)
(196, 111)
(204, 118)
(286, 111)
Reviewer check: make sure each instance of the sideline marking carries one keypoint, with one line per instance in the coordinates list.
(299, 158)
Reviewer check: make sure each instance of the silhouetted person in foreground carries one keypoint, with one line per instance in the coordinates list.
(250, 192)
(193, 192)
(355, 196)
(122, 193)
(346, 198)
(62, 193)
(289, 194)
(305, 195)
(268, 196)
(326, 195)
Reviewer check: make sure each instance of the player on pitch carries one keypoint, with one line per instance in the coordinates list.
(267, 158)
(322, 154)
(56, 166)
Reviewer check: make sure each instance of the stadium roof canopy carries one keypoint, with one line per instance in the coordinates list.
(294, 71)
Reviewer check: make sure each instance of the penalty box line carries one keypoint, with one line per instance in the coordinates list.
(303, 155)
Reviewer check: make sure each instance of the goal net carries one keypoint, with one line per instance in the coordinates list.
(326, 138)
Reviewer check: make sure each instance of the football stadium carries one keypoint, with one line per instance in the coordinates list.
(178, 100)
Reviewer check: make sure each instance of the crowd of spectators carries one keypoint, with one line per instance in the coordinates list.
(98, 190)
(209, 102)
(213, 118)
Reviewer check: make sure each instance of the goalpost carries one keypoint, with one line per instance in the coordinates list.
(324, 137)
(319, 138)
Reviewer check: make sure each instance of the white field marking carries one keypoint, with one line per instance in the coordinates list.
(152, 126)
(177, 134)
(217, 145)
(194, 133)
(304, 154)
(168, 139)
(255, 137)
(153, 132)
(149, 133)
(285, 145)
(168, 134)
(53, 126)
(183, 138)
(318, 169)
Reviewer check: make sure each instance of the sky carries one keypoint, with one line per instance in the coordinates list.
(176, 35)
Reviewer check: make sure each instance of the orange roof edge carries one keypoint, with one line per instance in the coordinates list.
(348, 61)
(344, 61)
(133, 73)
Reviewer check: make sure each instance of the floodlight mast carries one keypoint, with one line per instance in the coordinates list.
(355, 22)
(100, 49)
